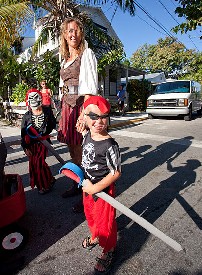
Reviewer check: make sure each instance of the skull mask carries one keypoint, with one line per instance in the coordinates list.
(34, 100)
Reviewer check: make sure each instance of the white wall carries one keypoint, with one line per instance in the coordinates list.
(27, 42)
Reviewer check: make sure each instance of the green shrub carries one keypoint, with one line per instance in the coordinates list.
(19, 93)
(138, 91)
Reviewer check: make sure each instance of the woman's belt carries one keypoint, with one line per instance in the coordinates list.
(73, 100)
(71, 90)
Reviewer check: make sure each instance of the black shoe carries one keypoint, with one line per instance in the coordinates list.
(53, 181)
(74, 191)
(44, 191)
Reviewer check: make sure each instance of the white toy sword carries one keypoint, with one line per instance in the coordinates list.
(74, 172)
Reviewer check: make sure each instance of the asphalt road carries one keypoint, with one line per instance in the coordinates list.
(161, 181)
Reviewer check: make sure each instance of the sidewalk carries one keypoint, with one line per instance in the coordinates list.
(128, 118)
(11, 134)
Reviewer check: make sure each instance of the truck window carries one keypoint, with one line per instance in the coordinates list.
(173, 87)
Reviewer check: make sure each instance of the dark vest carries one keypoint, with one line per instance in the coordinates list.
(70, 77)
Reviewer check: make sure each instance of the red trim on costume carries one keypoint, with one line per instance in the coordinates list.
(101, 220)
(40, 173)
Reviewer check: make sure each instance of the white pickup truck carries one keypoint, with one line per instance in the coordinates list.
(175, 98)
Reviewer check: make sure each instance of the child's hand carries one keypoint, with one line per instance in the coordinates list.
(88, 187)
(80, 125)
(28, 152)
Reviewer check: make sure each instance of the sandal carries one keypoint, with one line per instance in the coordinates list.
(88, 244)
(105, 263)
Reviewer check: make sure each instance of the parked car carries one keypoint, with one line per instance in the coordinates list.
(175, 98)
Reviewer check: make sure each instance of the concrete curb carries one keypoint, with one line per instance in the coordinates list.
(128, 122)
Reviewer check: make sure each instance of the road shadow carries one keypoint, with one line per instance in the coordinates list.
(49, 218)
(18, 149)
(153, 205)
(138, 153)
(147, 162)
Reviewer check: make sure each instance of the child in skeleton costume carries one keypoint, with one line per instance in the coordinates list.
(42, 122)
(102, 167)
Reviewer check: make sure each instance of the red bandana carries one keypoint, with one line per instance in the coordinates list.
(99, 101)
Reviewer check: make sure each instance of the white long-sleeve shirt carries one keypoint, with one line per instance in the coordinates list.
(88, 77)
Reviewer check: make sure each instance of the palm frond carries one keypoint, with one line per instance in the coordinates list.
(12, 18)
(125, 5)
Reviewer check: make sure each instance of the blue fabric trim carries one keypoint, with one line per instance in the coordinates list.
(75, 169)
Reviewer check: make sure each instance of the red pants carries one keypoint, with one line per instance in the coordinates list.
(40, 174)
(100, 216)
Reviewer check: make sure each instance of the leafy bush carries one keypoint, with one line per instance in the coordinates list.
(138, 91)
(19, 93)
(48, 69)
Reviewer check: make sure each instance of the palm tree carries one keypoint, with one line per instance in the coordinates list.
(15, 14)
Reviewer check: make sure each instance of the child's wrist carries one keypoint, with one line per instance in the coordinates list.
(97, 188)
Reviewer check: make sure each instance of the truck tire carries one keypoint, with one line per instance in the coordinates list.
(188, 117)
(199, 112)
(150, 116)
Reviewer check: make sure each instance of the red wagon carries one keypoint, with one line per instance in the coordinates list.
(12, 208)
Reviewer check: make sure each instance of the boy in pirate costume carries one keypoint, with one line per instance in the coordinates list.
(101, 164)
(42, 122)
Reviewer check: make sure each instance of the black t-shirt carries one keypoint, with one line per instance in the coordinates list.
(99, 158)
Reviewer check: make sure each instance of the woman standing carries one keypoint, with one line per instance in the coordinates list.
(79, 80)
(46, 94)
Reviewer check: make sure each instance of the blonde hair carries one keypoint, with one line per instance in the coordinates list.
(64, 49)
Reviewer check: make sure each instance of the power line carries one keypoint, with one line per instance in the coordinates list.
(185, 18)
(193, 42)
(177, 22)
(161, 25)
(173, 3)
(168, 12)
(149, 24)
(154, 20)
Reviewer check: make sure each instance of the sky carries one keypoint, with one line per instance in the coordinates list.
(138, 30)
(135, 31)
